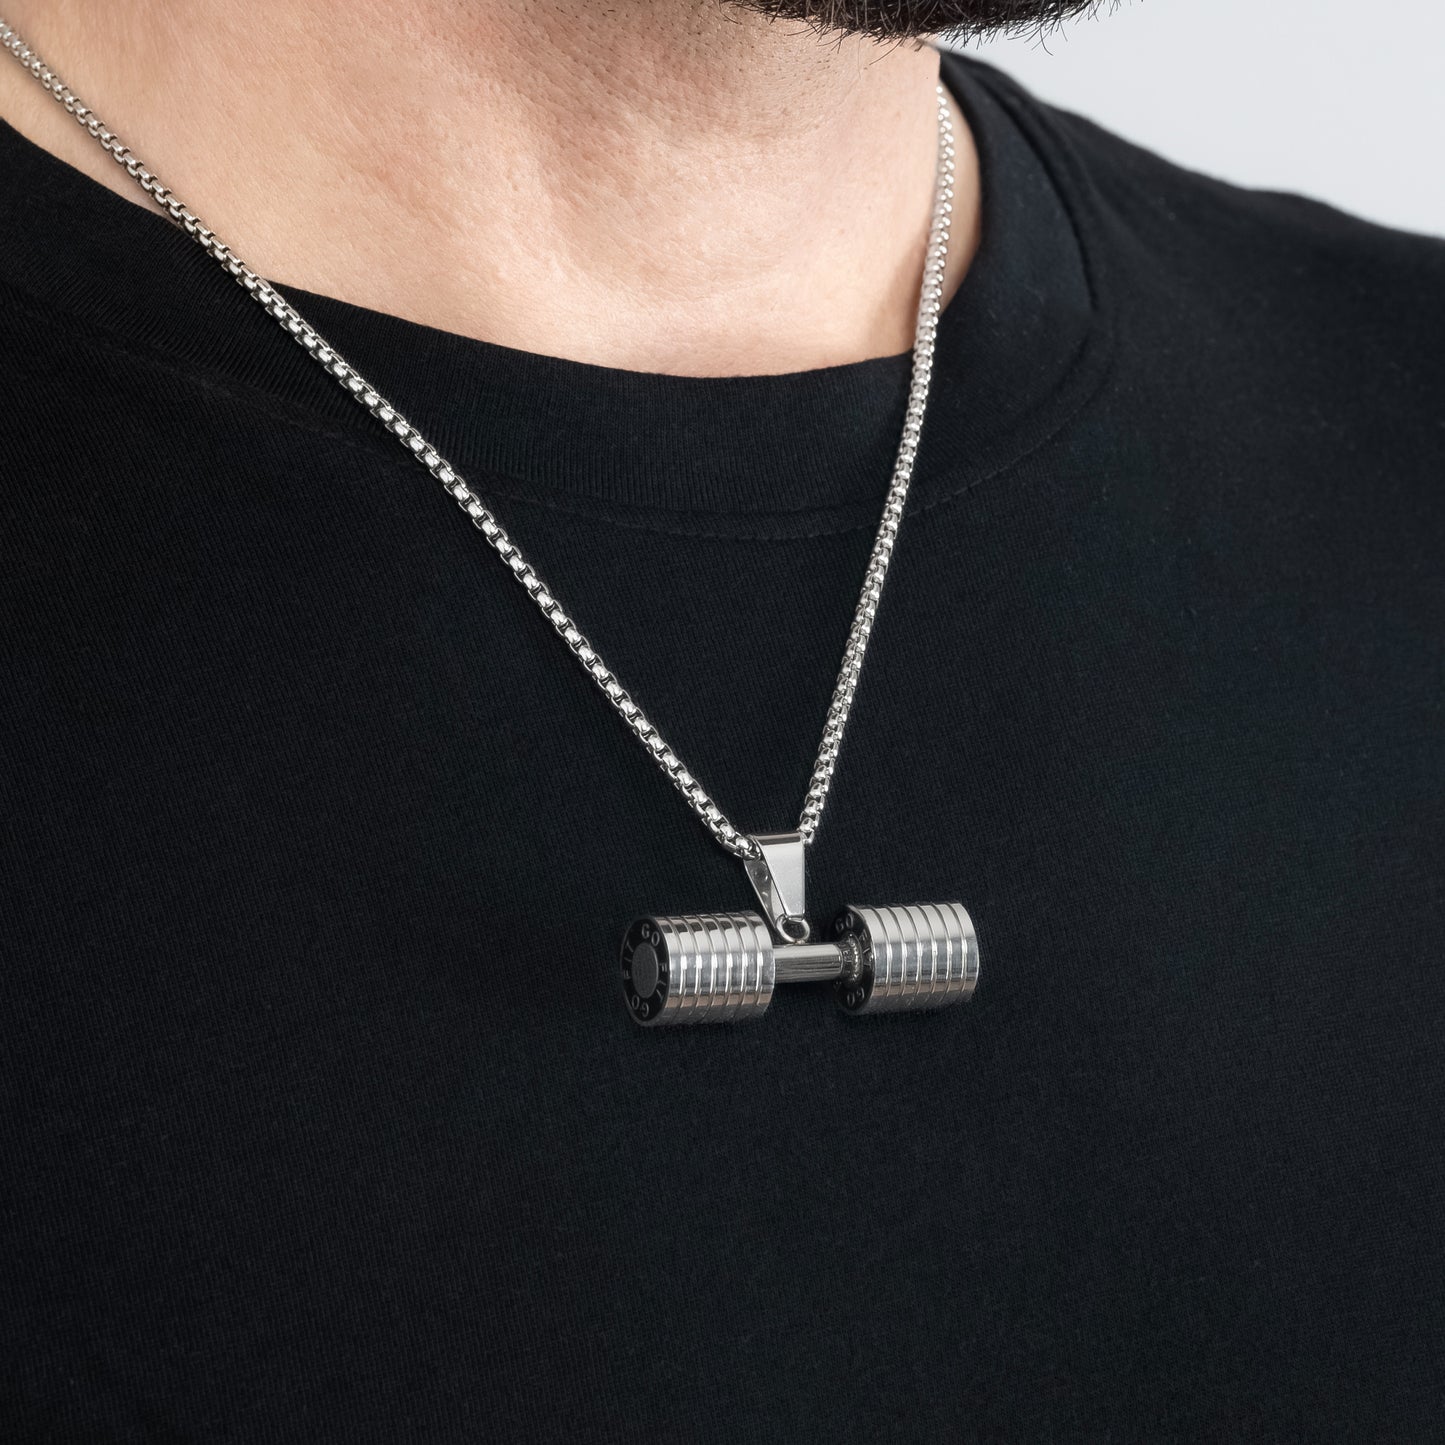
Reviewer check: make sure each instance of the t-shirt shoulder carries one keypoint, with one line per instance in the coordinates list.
(1266, 280)
(1186, 217)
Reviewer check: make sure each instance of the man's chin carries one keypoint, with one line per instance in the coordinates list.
(919, 19)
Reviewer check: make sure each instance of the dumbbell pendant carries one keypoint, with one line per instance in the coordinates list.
(701, 968)
(720, 967)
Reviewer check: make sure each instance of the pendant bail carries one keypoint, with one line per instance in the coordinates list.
(777, 879)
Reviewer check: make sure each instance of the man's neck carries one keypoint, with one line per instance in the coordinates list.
(660, 185)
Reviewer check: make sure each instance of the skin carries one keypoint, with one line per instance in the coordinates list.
(678, 186)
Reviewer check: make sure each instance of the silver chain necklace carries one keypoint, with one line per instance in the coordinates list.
(708, 966)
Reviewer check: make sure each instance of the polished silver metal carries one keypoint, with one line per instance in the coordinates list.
(351, 380)
(777, 876)
(929, 306)
(920, 956)
(810, 963)
(723, 967)
(709, 968)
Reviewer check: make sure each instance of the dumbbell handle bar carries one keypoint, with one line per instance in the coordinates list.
(808, 962)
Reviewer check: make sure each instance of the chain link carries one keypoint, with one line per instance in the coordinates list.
(734, 840)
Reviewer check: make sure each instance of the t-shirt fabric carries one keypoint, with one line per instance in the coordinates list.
(323, 1117)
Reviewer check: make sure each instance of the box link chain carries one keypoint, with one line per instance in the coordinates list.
(731, 838)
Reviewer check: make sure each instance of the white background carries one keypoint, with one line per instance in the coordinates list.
(1343, 100)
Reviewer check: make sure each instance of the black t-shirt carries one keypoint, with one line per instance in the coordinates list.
(323, 1116)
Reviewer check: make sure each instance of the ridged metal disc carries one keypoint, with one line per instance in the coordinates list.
(698, 968)
(920, 955)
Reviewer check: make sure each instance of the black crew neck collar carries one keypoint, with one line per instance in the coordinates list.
(816, 447)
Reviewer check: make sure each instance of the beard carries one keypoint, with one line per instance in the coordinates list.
(916, 19)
